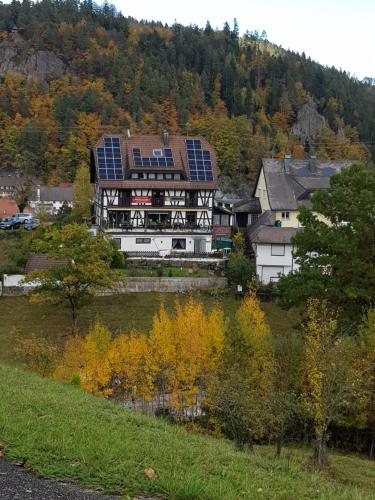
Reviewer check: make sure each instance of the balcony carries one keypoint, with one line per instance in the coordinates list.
(152, 227)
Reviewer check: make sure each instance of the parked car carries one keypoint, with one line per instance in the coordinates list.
(31, 224)
(10, 223)
(22, 218)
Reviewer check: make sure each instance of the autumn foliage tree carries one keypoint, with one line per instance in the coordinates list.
(329, 379)
(241, 395)
(175, 361)
(81, 267)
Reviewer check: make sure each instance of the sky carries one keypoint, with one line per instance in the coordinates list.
(338, 33)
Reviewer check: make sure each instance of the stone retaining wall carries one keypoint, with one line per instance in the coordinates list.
(134, 284)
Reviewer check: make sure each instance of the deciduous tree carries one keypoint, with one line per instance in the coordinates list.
(83, 269)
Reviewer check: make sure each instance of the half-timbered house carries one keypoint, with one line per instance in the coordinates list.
(154, 194)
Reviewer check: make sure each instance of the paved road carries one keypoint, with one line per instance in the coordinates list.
(17, 484)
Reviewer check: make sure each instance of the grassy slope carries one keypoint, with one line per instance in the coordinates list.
(65, 433)
(120, 313)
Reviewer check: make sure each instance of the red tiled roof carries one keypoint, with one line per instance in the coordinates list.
(41, 262)
(147, 184)
(8, 207)
(147, 143)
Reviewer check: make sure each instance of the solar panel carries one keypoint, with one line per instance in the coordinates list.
(199, 161)
(109, 159)
(165, 160)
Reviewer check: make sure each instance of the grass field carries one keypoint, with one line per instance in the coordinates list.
(119, 312)
(63, 433)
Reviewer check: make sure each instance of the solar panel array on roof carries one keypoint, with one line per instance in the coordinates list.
(199, 161)
(109, 159)
(165, 160)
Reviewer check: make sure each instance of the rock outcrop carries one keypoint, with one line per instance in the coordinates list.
(17, 57)
(309, 122)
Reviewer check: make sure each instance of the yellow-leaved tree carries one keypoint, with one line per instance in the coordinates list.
(85, 362)
(129, 360)
(329, 379)
(241, 396)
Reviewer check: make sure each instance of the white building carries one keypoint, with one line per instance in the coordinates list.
(273, 249)
(154, 194)
(283, 186)
(51, 198)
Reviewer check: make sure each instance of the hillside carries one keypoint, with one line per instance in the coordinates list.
(70, 71)
(105, 446)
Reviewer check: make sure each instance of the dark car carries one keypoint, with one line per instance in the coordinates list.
(9, 223)
(31, 224)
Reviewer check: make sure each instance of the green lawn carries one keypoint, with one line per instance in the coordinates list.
(119, 312)
(63, 433)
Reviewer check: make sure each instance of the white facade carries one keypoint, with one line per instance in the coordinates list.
(273, 260)
(164, 244)
(50, 207)
(141, 221)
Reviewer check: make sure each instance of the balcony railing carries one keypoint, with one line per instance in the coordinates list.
(150, 226)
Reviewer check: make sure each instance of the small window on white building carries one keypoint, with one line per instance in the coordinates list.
(179, 243)
(142, 241)
(277, 249)
(285, 215)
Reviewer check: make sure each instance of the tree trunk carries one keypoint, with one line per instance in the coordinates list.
(74, 316)
(279, 443)
(320, 450)
(372, 447)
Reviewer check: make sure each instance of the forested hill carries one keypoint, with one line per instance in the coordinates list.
(70, 71)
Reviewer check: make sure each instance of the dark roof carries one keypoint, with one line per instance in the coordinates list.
(11, 180)
(286, 188)
(273, 234)
(47, 193)
(265, 231)
(41, 262)
(251, 205)
(146, 144)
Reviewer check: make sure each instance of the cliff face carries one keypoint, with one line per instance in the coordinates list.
(309, 122)
(17, 57)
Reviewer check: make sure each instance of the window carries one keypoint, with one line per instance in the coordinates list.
(152, 175)
(277, 249)
(178, 243)
(142, 241)
(168, 177)
(160, 177)
(285, 215)
(157, 152)
(177, 177)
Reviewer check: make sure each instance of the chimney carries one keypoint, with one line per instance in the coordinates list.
(312, 164)
(128, 134)
(287, 160)
(165, 138)
(38, 194)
